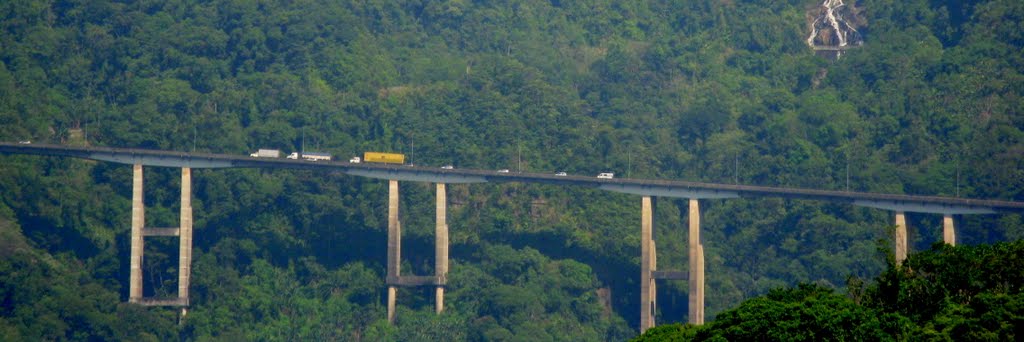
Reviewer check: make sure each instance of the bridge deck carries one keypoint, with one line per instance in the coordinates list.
(672, 188)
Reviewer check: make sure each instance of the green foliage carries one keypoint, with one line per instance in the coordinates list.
(669, 332)
(966, 293)
(718, 91)
(970, 293)
(45, 298)
(805, 313)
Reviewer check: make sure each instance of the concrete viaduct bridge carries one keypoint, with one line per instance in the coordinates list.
(648, 190)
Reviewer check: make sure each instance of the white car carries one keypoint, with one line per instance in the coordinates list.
(355, 160)
(606, 175)
(25, 142)
(447, 167)
(561, 174)
(503, 171)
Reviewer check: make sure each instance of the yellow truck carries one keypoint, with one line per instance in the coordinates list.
(381, 157)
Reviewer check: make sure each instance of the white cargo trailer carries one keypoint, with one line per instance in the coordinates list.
(266, 153)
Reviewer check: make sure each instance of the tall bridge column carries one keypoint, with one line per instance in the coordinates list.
(441, 247)
(948, 231)
(394, 247)
(138, 222)
(900, 237)
(647, 258)
(185, 238)
(696, 300)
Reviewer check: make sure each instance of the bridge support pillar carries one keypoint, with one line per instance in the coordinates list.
(395, 278)
(696, 278)
(900, 237)
(138, 223)
(185, 237)
(647, 265)
(649, 271)
(441, 246)
(140, 231)
(394, 247)
(948, 231)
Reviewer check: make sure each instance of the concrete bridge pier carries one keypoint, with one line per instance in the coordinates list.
(138, 222)
(900, 237)
(948, 231)
(394, 247)
(647, 265)
(140, 231)
(649, 272)
(696, 300)
(185, 239)
(395, 278)
(441, 246)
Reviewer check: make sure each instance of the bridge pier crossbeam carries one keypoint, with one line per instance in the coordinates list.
(394, 263)
(139, 232)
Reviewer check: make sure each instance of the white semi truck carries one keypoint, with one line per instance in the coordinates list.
(311, 156)
(266, 153)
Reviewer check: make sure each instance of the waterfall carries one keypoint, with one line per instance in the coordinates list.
(832, 27)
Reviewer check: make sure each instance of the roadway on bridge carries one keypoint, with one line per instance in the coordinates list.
(647, 187)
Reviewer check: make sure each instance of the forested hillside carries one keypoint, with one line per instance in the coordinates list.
(965, 293)
(705, 90)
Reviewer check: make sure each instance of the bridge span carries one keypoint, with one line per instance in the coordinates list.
(648, 189)
(643, 187)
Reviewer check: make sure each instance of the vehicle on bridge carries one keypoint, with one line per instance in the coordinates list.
(606, 175)
(311, 156)
(381, 157)
(266, 153)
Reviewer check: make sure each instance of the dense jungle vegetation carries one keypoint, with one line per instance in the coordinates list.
(970, 293)
(705, 90)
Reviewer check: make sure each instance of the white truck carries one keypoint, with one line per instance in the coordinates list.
(266, 153)
(606, 175)
(311, 156)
